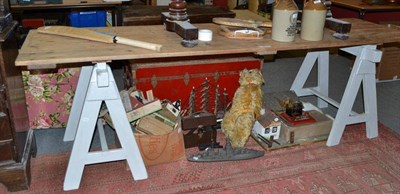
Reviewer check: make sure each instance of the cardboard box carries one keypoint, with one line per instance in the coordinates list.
(159, 149)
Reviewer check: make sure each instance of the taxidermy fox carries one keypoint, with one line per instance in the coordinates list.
(246, 108)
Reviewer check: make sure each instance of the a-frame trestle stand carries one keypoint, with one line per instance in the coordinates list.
(363, 71)
(95, 86)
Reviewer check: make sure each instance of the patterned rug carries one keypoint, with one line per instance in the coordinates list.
(356, 165)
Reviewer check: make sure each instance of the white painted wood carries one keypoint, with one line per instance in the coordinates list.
(370, 105)
(105, 156)
(102, 135)
(102, 75)
(127, 140)
(363, 72)
(303, 74)
(78, 100)
(97, 92)
(80, 149)
(323, 77)
(322, 57)
(327, 99)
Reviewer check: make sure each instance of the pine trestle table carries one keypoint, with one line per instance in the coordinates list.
(96, 83)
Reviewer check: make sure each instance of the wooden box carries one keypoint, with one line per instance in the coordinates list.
(389, 67)
(301, 133)
(175, 79)
(199, 129)
(151, 15)
(200, 137)
(295, 134)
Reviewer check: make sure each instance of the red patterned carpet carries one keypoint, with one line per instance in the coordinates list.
(356, 165)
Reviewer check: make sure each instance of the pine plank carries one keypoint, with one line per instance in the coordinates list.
(43, 49)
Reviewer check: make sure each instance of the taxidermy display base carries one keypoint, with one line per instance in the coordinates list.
(228, 153)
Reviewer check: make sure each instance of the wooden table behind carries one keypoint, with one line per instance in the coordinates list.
(42, 49)
(388, 13)
(358, 4)
(68, 4)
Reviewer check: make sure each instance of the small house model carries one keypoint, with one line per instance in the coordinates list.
(268, 125)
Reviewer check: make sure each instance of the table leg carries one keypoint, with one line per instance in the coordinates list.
(102, 88)
(322, 57)
(78, 100)
(363, 71)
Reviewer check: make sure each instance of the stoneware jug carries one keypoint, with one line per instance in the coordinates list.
(284, 21)
(313, 20)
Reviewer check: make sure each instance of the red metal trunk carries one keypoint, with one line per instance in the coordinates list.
(175, 80)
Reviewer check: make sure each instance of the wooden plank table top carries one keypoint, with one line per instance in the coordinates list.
(42, 49)
(359, 5)
(248, 15)
(68, 4)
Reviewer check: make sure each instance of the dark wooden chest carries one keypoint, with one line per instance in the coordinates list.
(134, 15)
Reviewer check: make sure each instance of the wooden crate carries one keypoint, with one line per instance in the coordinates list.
(301, 134)
(307, 132)
(294, 135)
(389, 67)
(151, 15)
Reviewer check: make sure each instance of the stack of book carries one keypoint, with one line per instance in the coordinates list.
(148, 116)
(157, 128)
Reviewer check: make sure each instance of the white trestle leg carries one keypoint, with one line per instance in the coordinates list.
(363, 72)
(101, 88)
(77, 105)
